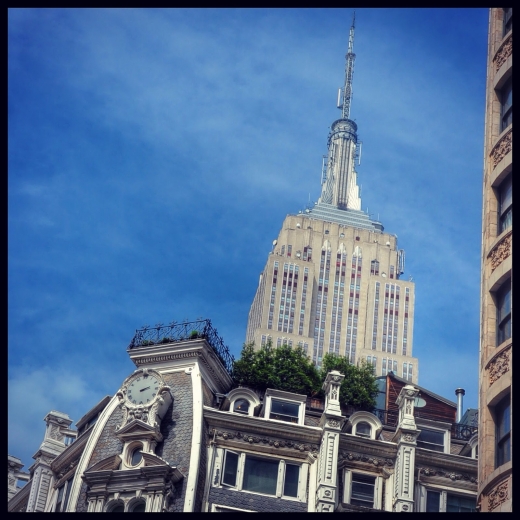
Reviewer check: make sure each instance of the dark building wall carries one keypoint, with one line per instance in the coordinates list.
(241, 500)
(108, 444)
(177, 428)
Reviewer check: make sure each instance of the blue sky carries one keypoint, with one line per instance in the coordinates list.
(154, 153)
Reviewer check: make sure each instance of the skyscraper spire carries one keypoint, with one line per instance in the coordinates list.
(349, 72)
(339, 184)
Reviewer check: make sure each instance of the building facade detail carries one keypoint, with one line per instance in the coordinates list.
(496, 289)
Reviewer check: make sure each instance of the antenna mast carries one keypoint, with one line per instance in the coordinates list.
(349, 72)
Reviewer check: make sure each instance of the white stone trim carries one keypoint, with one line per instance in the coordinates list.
(87, 452)
(196, 438)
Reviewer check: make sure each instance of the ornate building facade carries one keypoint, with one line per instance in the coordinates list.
(496, 335)
(332, 282)
(177, 436)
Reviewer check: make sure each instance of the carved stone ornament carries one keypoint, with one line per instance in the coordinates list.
(500, 252)
(333, 423)
(499, 365)
(408, 437)
(275, 443)
(504, 52)
(349, 456)
(502, 148)
(498, 495)
(430, 472)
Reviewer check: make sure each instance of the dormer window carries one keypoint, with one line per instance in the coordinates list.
(363, 429)
(284, 406)
(431, 439)
(241, 406)
(284, 411)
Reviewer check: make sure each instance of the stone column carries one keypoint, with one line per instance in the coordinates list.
(331, 422)
(405, 437)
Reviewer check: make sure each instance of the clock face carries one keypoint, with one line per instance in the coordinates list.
(143, 389)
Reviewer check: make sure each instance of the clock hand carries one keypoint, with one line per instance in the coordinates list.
(143, 389)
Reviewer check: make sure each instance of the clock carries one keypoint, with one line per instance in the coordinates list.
(143, 389)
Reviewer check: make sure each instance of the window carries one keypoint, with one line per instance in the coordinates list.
(363, 429)
(116, 506)
(241, 406)
(443, 502)
(136, 455)
(362, 489)
(505, 204)
(68, 440)
(284, 411)
(139, 506)
(503, 431)
(63, 496)
(508, 19)
(431, 439)
(506, 104)
(262, 475)
(504, 312)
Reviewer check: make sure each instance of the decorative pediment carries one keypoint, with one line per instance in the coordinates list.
(138, 430)
(110, 463)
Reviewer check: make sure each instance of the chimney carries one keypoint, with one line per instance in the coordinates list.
(459, 393)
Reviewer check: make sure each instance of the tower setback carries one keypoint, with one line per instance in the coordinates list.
(332, 282)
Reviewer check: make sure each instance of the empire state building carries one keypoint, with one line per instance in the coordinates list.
(332, 282)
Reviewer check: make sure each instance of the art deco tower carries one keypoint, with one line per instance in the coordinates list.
(332, 281)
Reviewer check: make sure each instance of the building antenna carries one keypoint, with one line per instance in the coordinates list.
(349, 73)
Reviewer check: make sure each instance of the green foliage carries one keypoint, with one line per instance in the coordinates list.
(283, 368)
(289, 369)
(359, 387)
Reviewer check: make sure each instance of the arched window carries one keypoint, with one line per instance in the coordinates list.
(363, 429)
(241, 406)
(138, 506)
(116, 506)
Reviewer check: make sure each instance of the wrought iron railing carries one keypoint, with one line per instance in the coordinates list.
(181, 332)
(463, 432)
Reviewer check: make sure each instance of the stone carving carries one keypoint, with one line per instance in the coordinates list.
(498, 495)
(348, 455)
(276, 443)
(333, 423)
(502, 148)
(504, 52)
(500, 252)
(431, 472)
(55, 433)
(499, 365)
(408, 437)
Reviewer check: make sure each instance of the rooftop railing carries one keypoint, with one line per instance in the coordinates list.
(187, 330)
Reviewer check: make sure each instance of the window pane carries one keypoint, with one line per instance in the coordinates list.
(139, 508)
(284, 411)
(241, 406)
(292, 474)
(458, 504)
(432, 501)
(504, 312)
(431, 440)
(230, 469)
(362, 490)
(503, 431)
(363, 429)
(260, 475)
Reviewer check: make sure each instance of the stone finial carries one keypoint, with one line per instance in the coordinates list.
(331, 387)
(406, 403)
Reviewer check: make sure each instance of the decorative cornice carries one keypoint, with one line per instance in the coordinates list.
(502, 147)
(255, 439)
(504, 51)
(501, 251)
(498, 495)
(452, 475)
(347, 456)
(499, 365)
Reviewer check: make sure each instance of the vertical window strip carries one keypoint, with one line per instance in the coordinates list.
(405, 321)
(352, 321)
(376, 315)
(273, 296)
(321, 307)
